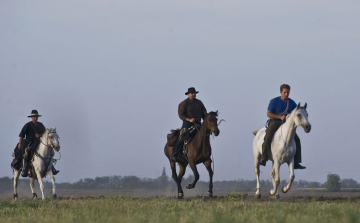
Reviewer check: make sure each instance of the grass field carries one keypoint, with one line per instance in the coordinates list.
(232, 208)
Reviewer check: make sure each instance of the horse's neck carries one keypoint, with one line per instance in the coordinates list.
(201, 136)
(42, 150)
(287, 130)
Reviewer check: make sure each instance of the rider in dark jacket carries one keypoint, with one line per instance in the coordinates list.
(30, 137)
(191, 110)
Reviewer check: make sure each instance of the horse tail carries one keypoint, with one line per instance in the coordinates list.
(255, 132)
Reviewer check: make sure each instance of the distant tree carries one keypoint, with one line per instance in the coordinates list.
(349, 183)
(116, 181)
(314, 184)
(163, 179)
(333, 182)
(303, 184)
(189, 179)
(131, 182)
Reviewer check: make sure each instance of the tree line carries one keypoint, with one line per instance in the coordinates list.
(333, 183)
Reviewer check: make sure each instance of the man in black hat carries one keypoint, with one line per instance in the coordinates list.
(31, 132)
(191, 110)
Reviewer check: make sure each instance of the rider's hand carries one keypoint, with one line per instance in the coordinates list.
(19, 146)
(283, 118)
(192, 120)
(37, 135)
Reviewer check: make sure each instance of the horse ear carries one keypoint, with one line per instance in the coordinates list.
(305, 106)
(216, 112)
(298, 106)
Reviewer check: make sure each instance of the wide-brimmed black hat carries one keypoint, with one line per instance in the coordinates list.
(34, 113)
(191, 90)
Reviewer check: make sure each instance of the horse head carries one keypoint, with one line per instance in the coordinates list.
(211, 123)
(301, 118)
(53, 139)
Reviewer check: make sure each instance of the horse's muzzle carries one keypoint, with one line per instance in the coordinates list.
(307, 128)
(57, 148)
(216, 132)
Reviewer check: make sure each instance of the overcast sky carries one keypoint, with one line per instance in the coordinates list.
(110, 75)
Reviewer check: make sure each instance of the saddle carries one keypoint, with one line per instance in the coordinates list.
(184, 134)
(172, 137)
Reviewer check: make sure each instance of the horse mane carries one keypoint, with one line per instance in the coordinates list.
(293, 111)
(213, 113)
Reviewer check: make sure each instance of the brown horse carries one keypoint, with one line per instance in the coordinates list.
(198, 151)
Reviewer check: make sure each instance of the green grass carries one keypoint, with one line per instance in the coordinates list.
(234, 208)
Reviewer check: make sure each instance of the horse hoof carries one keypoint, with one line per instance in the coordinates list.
(188, 186)
(277, 197)
(283, 190)
(55, 196)
(258, 196)
(15, 196)
(210, 194)
(180, 195)
(34, 195)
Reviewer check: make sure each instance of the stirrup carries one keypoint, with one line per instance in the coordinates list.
(54, 171)
(24, 174)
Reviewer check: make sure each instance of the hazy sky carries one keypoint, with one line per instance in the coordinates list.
(110, 75)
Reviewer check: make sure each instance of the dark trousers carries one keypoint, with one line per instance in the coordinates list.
(19, 153)
(180, 141)
(270, 132)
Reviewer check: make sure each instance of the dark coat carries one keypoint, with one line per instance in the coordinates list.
(191, 109)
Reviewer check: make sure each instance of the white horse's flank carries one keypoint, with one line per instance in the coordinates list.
(49, 141)
(283, 148)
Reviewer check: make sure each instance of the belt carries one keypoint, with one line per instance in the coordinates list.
(275, 120)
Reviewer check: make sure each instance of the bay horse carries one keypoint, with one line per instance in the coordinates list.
(42, 163)
(198, 151)
(283, 148)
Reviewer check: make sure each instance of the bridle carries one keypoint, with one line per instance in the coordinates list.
(51, 143)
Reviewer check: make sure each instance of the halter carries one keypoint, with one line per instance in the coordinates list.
(51, 145)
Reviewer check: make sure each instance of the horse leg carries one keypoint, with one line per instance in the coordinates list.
(196, 175)
(207, 164)
(16, 177)
(38, 174)
(257, 174)
(174, 176)
(276, 181)
(52, 178)
(182, 170)
(291, 179)
(272, 174)
(32, 180)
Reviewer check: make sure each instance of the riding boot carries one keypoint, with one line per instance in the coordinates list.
(25, 171)
(174, 156)
(54, 171)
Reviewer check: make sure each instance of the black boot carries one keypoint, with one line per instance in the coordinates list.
(54, 171)
(25, 171)
(298, 166)
(174, 157)
(262, 162)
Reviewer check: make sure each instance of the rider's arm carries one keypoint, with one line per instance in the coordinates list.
(20, 141)
(274, 116)
(22, 135)
(182, 112)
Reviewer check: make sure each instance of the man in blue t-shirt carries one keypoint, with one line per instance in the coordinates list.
(278, 109)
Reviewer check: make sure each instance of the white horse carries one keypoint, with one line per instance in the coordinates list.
(283, 148)
(42, 163)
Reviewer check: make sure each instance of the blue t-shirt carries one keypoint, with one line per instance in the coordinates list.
(278, 106)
